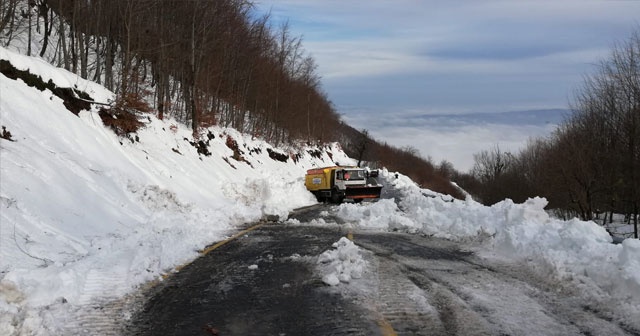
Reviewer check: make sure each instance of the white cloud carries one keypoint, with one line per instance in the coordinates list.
(458, 145)
(457, 138)
(360, 38)
(367, 57)
(385, 57)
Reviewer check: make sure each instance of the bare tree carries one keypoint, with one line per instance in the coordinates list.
(8, 12)
(362, 145)
(489, 165)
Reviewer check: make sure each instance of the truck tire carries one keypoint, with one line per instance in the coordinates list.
(335, 197)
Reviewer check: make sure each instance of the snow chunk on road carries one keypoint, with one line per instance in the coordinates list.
(342, 264)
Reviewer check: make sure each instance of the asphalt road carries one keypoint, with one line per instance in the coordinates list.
(220, 293)
(414, 285)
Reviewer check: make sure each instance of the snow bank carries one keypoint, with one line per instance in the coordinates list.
(571, 249)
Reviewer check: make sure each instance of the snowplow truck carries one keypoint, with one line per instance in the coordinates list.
(335, 184)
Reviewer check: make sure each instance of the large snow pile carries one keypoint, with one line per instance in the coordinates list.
(86, 214)
(572, 250)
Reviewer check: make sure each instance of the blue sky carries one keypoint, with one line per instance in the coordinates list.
(382, 62)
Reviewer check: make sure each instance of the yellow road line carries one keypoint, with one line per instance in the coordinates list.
(213, 247)
(241, 233)
(385, 328)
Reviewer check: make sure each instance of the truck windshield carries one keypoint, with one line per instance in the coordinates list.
(354, 175)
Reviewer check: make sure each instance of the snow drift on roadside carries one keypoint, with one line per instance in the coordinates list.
(571, 249)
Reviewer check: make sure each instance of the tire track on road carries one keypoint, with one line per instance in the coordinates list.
(496, 298)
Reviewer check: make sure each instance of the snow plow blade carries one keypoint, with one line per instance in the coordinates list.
(363, 192)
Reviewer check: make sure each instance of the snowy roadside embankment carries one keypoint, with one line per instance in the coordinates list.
(87, 215)
(572, 250)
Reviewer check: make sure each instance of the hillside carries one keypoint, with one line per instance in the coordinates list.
(202, 64)
(89, 216)
(80, 201)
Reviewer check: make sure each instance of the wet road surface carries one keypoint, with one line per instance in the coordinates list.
(265, 283)
(223, 293)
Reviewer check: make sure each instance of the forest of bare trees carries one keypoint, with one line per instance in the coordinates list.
(206, 62)
(590, 166)
(202, 62)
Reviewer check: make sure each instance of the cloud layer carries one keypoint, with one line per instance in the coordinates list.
(435, 57)
(456, 138)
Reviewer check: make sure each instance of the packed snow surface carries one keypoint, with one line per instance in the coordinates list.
(80, 204)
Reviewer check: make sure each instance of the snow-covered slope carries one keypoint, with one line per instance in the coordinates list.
(78, 202)
(86, 215)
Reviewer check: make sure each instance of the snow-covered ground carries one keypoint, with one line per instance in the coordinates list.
(80, 204)
(619, 227)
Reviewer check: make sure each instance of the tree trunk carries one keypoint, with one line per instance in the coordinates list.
(192, 77)
(29, 37)
(74, 52)
(635, 221)
(108, 64)
(97, 76)
(48, 25)
(63, 45)
(83, 42)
